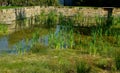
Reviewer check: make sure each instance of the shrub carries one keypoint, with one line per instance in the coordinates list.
(30, 2)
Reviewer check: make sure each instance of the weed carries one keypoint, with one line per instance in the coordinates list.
(83, 67)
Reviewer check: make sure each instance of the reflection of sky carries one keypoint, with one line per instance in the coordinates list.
(4, 46)
(3, 43)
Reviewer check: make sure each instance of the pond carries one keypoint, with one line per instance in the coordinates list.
(59, 39)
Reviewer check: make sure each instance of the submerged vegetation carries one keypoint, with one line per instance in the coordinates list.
(62, 44)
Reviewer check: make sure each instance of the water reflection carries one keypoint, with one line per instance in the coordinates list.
(3, 43)
(23, 45)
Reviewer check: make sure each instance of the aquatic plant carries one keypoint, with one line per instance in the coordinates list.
(35, 36)
(62, 39)
(71, 38)
(19, 49)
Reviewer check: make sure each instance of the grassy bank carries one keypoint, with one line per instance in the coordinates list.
(54, 61)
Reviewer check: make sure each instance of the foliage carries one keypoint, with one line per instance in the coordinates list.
(29, 2)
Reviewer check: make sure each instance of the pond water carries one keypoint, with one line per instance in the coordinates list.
(23, 45)
(5, 48)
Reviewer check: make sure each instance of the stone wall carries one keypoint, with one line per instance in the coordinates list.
(10, 15)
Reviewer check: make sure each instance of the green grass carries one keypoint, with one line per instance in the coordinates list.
(8, 7)
(55, 61)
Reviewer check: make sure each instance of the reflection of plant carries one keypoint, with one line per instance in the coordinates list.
(20, 18)
(51, 19)
(99, 20)
(65, 20)
(3, 28)
(78, 18)
(37, 19)
(31, 21)
(42, 18)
